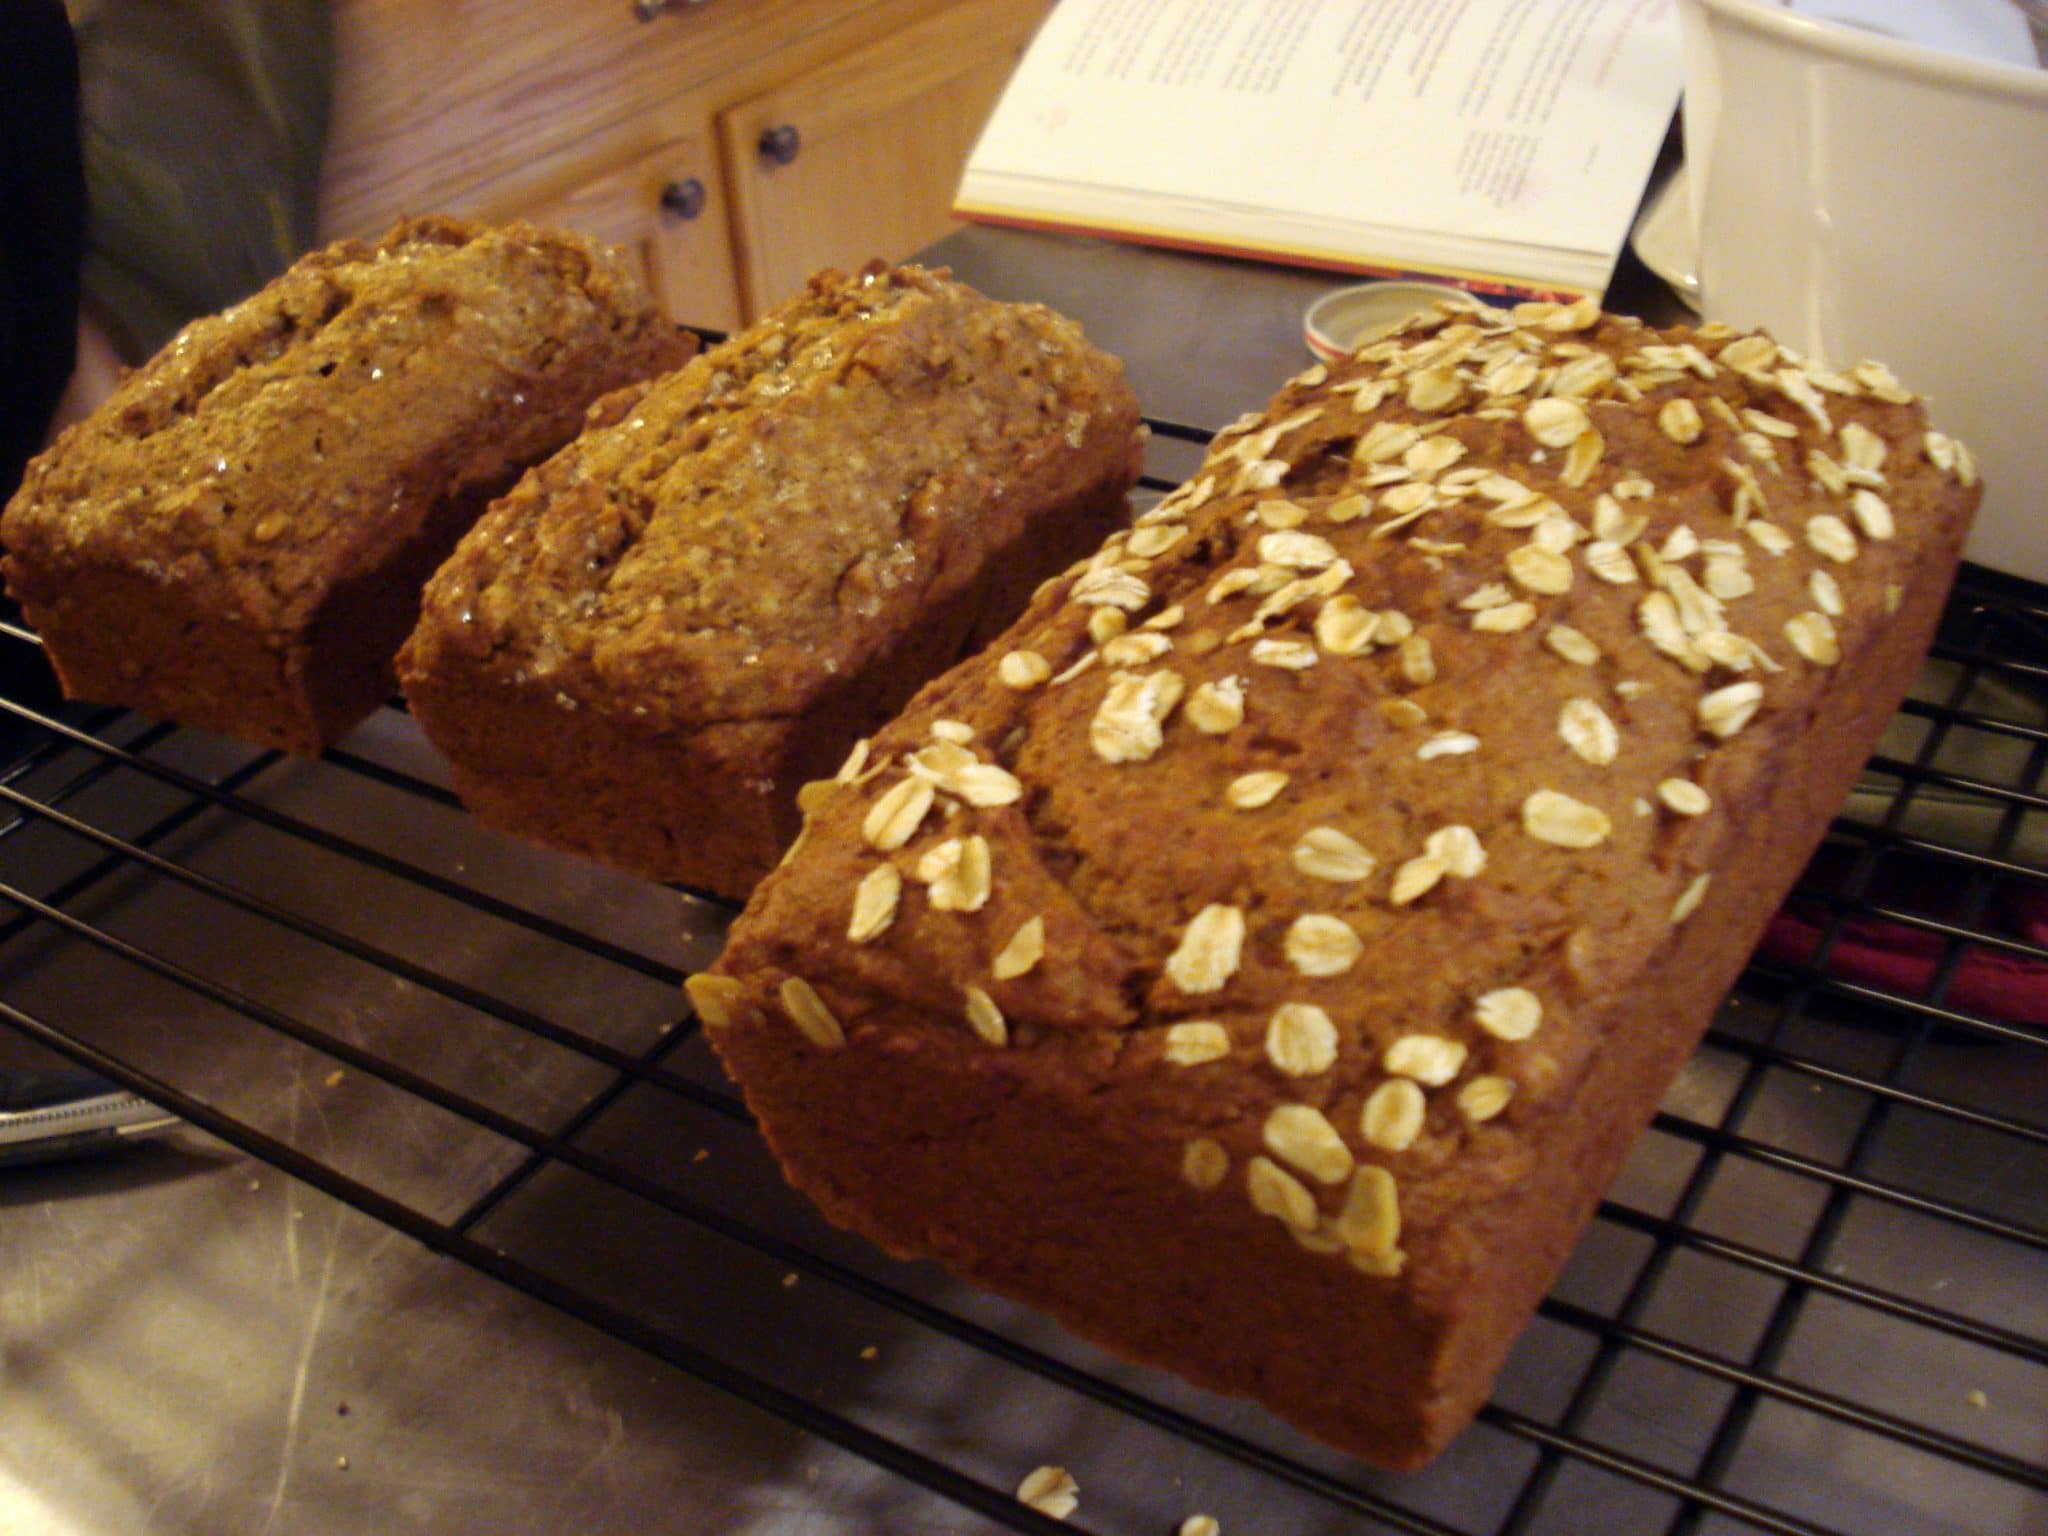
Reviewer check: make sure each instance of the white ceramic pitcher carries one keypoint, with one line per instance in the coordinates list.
(1863, 196)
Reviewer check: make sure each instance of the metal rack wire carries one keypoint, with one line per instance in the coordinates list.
(1817, 1302)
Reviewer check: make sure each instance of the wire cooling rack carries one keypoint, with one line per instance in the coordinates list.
(1815, 1302)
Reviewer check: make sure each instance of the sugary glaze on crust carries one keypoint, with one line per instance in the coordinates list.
(727, 543)
(1342, 858)
(646, 648)
(275, 459)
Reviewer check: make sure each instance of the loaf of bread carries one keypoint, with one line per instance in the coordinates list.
(643, 650)
(238, 538)
(1263, 956)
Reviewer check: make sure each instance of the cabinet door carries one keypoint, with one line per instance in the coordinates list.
(870, 147)
(435, 98)
(669, 207)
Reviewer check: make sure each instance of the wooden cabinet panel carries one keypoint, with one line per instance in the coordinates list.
(435, 97)
(646, 206)
(882, 134)
(575, 112)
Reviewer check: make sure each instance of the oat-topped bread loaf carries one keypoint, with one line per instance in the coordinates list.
(1263, 956)
(645, 649)
(237, 539)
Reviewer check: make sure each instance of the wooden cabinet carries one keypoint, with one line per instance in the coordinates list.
(735, 145)
(881, 135)
(667, 206)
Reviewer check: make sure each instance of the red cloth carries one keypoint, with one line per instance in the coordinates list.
(1903, 959)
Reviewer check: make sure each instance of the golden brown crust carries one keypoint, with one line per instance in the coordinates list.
(1456, 730)
(644, 649)
(237, 539)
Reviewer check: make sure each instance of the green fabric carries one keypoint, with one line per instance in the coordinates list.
(204, 122)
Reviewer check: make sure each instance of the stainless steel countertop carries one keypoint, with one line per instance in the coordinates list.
(190, 1341)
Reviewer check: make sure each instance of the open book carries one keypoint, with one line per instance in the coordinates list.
(1502, 144)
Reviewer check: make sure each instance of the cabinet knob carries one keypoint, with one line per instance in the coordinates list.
(780, 143)
(647, 10)
(684, 199)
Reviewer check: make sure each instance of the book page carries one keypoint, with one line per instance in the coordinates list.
(1530, 121)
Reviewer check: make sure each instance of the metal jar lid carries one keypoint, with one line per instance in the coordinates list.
(1344, 319)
